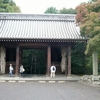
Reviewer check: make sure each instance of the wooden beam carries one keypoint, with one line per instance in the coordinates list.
(33, 44)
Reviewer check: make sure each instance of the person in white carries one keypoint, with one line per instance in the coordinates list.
(21, 70)
(10, 70)
(53, 70)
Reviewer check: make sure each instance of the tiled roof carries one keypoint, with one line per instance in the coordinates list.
(39, 26)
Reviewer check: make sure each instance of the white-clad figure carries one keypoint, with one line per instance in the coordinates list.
(53, 70)
(10, 70)
(21, 70)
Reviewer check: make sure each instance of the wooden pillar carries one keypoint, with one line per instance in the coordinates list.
(21, 56)
(95, 63)
(17, 61)
(48, 60)
(69, 61)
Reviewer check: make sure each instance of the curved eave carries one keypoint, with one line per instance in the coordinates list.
(20, 27)
(41, 40)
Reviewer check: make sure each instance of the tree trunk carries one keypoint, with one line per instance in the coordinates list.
(64, 60)
(2, 59)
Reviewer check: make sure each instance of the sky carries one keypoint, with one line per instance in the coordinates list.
(40, 6)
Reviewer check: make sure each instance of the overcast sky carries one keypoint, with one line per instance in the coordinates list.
(40, 6)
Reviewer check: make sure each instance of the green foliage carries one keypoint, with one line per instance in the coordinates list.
(93, 0)
(95, 7)
(79, 59)
(90, 26)
(93, 44)
(8, 6)
(34, 61)
(67, 11)
(51, 10)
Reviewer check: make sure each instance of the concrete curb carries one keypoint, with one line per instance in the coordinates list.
(40, 81)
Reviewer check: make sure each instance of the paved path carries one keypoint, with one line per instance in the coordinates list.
(39, 78)
(48, 91)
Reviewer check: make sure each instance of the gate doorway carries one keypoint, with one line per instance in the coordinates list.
(34, 61)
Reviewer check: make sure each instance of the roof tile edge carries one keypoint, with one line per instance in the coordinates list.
(12, 16)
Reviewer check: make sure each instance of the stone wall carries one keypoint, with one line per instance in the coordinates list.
(2, 59)
(90, 79)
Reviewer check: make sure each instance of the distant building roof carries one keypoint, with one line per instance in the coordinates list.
(39, 26)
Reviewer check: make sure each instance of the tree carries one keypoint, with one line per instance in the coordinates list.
(8, 6)
(93, 0)
(90, 25)
(51, 10)
(67, 11)
(82, 11)
(88, 18)
(79, 65)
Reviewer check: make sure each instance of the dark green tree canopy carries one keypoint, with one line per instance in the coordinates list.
(8, 6)
(67, 11)
(93, 0)
(51, 10)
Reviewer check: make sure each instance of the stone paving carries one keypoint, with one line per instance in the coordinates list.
(48, 91)
(43, 79)
(38, 78)
(35, 87)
